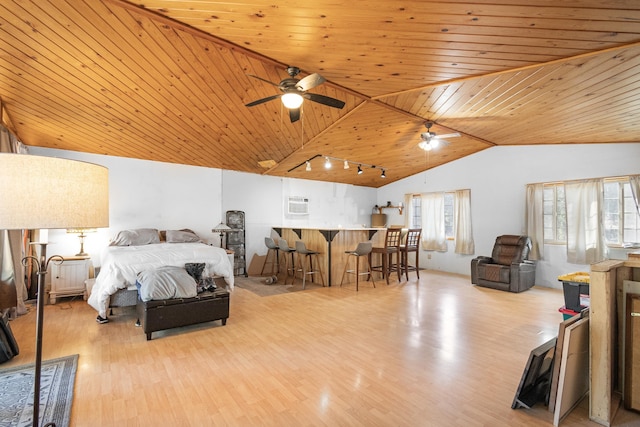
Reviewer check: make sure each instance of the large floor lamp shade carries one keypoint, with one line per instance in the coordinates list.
(47, 192)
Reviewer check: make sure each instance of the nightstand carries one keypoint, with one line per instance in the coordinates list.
(68, 278)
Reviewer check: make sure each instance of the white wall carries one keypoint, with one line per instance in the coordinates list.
(497, 178)
(170, 196)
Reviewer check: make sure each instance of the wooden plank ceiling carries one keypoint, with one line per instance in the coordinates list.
(169, 80)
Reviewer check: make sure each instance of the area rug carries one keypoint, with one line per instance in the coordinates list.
(56, 393)
(258, 286)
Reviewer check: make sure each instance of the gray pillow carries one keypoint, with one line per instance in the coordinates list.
(166, 283)
(181, 236)
(136, 237)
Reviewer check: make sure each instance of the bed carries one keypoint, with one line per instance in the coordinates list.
(134, 251)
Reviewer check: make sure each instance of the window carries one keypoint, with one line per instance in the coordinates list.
(555, 214)
(415, 219)
(621, 219)
(449, 215)
(415, 215)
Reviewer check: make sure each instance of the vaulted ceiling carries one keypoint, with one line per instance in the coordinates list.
(169, 80)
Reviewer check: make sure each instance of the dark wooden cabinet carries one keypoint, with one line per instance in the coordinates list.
(236, 241)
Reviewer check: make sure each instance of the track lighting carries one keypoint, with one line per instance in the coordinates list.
(346, 165)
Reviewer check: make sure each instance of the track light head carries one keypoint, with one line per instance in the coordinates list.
(346, 164)
(359, 170)
(383, 175)
(327, 163)
(308, 168)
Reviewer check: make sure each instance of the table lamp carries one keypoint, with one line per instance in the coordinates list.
(47, 192)
(82, 233)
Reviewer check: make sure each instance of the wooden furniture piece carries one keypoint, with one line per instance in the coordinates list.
(333, 243)
(362, 250)
(172, 313)
(632, 353)
(68, 278)
(236, 241)
(391, 247)
(607, 279)
(411, 245)
(289, 260)
(272, 258)
(305, 263)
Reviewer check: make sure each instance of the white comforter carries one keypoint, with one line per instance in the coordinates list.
(120, 265)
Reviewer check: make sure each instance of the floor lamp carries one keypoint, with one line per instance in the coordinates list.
(46, 192)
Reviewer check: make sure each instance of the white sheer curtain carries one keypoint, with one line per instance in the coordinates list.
(634, 181)
(408, 209)
(534, 220)
(13, 291)
(464, 231)
(433, 232)
(585, 240)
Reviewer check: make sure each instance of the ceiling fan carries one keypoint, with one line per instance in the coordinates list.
(429, 140)
(294, 91)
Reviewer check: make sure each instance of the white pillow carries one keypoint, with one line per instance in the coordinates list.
(136, 237)
(181, 236)
(166, 283)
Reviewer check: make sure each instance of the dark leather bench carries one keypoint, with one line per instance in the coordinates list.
(172, 313)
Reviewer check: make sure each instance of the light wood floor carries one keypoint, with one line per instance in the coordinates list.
(438, 352)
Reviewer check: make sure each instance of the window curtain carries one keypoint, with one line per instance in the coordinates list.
(585, 228)
(433, 233)
(13, 291)
(464, 231)
(634, 182)
(534, 220)
(408, 209)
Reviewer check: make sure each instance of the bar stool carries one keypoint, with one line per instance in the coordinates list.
(362, 250)
(411, 244)
(290, 269)
(308, 255)
(391, 247)
(272, 250)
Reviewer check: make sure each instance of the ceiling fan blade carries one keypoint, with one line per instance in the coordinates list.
(263, 100)
(449, 135)
(294, 114)
(264, 80)
(321, 99)
(309, 82)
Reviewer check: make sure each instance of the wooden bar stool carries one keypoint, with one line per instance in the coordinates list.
(391, 247)
(273, 252)
(411, 244)
(290, 269)
(305, 258)
(362, 250)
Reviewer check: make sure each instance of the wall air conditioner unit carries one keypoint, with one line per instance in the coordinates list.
(298, 205)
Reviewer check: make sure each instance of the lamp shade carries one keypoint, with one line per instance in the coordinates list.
(47, 192)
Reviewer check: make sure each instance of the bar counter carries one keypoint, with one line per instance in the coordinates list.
(332, 244)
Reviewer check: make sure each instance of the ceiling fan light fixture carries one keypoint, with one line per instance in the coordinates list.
(426, 146)
(292, 100)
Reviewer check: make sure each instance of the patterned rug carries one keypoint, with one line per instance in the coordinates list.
(258, 285)
(56, 393)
